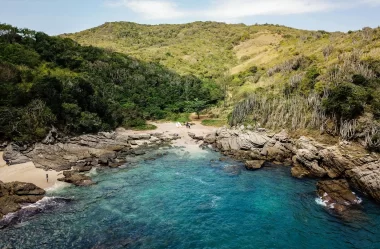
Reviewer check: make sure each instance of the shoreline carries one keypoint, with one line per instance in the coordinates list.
(29, 173)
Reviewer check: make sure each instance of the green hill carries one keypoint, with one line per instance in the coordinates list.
(52, 81)
(274, 76)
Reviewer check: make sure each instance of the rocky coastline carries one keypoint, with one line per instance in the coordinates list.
(13, 194)
(339, 173)
(75, 157)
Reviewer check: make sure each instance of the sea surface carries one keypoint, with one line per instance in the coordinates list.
(191, 200)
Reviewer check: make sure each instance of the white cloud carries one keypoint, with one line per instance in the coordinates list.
(151, 9)
(244, 8)
(234, 10)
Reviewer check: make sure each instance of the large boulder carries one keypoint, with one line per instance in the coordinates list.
(14, 156)
(15, 193)
(299, 171)
(309, 159)
(239, 140)
(210, 138)
(140, 136)
(334, 162)
(76, 178)
(304, 143)
(254, 164)
(337, 195)
(366, 178)
(277, 151)
(51, 137)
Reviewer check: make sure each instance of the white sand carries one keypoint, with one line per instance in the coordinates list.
(190, 144)
(27, 172)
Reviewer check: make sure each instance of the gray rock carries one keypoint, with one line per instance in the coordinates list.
(254, 165)
(14, 156)
(366, 178)
(334, 163)
(239, 140)
(210, 138)
(51, 137)
(140, 136)
(76, 178)
(310, 161)
(191, 135)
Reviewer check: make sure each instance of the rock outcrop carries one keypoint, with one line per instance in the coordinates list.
(104, 149)
(254, 165)
(307, 157)
(13, 154)
(239, 140)
(76, 178)
(366, 178)
(15, 193)
(337, 195)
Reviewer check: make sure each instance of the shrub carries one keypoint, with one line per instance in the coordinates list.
(345, 101)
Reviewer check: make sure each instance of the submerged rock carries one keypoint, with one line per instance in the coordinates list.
(15, 193)
(232, 169)
(337, 195)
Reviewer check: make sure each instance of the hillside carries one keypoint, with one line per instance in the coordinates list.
(274, 76)
(52, 81)
(207, 49)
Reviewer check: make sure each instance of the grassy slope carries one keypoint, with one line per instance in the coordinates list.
(210, 49)
(214, 50)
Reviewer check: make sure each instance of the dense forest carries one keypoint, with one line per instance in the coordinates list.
(51, 81)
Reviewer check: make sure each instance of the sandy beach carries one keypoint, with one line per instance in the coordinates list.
(27, 172)
(185, 141)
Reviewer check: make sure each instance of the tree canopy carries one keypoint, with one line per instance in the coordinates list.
(52, 81)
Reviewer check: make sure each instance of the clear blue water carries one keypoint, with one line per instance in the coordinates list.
(186, 201)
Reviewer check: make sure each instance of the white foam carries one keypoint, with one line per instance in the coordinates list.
(57, 187)
(92, 172)
(319, 201)
(214, 201)
(41, 203)
(201, 181)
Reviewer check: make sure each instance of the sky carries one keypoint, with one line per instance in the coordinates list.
(66, 16)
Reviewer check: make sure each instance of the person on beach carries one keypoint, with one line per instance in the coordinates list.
(47, 177)
(7, 162)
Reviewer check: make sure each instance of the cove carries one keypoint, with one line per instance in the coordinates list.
(193, 200)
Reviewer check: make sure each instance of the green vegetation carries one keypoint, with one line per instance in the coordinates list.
(178, 117)
(266, 75)
(145, 127)
(214, 122)
(52, 81)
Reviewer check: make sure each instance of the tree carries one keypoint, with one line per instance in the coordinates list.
(196, 106)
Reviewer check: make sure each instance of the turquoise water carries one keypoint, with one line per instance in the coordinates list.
(187, 201)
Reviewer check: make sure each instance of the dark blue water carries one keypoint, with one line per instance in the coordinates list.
(186, 201)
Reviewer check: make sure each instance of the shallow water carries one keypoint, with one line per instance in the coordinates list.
(186, 201)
